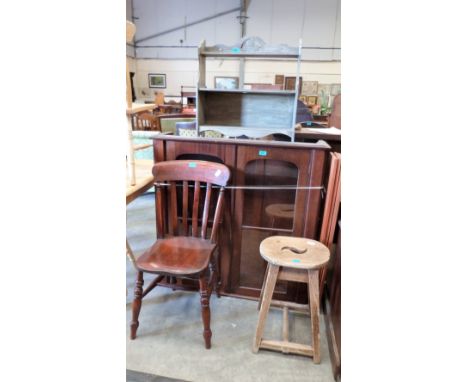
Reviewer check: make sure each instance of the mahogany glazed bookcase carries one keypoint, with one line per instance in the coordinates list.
(264, 175)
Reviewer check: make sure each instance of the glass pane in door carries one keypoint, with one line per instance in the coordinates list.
(268, 210)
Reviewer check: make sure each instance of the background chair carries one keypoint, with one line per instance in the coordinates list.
(147, 121)
(182, 248)
(189, 129)
(186, 129)
(159, 98)
(167, 122)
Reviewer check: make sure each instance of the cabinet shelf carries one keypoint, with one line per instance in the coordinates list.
(269, 55)
(252, 131)
(249, 91)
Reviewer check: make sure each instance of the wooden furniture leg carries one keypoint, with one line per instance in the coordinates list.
(263, 287)
(314, 302)
(270, 283)
(205, 309)
(136, 306)
(130, 254)
(214, 267)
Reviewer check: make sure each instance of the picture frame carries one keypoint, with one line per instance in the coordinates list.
(310, 88)
(279, 80)
(290, 84)
(227, 83)
(157, 80)
(312, 100)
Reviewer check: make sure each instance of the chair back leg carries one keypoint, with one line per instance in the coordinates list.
(214, 275)
(205, 308)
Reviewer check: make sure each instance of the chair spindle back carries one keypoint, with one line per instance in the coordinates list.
(186, 189)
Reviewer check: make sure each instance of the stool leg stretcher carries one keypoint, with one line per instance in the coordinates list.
(311, 277)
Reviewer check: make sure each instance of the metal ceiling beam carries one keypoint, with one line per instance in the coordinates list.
(188, 25)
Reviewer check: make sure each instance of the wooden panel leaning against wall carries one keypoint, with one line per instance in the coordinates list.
(332, 308)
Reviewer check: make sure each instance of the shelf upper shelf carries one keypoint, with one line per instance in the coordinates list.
(207, 53)
(249, 91)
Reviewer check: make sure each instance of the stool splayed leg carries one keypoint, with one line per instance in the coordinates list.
(291, 259)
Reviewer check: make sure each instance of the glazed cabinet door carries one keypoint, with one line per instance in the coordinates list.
(270, 200)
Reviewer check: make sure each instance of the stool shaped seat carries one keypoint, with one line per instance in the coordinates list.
(291, 259)
(177, 256)
(294, 252)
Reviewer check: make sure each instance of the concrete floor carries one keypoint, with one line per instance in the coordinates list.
(170, 341)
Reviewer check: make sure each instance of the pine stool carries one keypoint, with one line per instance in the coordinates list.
(291, 259)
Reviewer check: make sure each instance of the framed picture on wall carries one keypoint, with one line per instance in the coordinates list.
(279, 80)
(312, 100)
(290, 83)
(226, 82)
(157, 80)
(310, 88)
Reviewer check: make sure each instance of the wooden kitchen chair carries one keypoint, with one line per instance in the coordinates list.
(147, 121)
(186, 129)
(182, 249)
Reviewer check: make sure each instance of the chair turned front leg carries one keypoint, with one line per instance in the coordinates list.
(205, 309)
(136, 306)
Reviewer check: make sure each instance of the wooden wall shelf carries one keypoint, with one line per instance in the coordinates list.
(253, 113)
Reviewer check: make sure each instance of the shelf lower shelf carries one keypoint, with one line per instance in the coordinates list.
(249, 131)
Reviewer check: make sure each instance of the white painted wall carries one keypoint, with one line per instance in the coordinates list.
(185, 72)
(317, 22)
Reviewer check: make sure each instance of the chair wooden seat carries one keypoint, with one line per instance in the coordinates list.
(177, 256)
